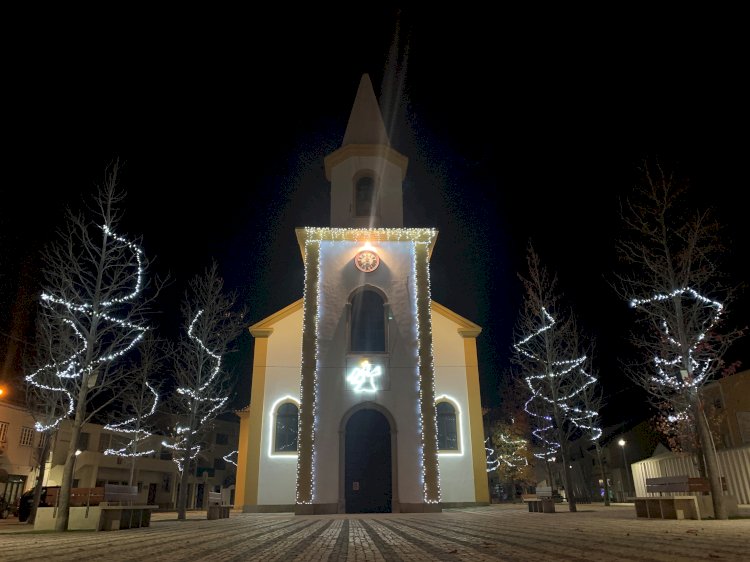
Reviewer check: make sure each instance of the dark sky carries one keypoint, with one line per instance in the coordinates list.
(515, 128)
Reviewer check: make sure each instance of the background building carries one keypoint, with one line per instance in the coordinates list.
(155, 475)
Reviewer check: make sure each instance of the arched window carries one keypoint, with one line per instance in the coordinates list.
(367, 322)
(285, 438)
(364, 194)
(446, 425)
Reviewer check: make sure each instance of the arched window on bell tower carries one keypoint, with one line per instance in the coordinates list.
(367, 322)
(364, 195)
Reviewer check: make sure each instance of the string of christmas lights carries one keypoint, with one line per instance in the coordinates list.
(306, 476)
(73, 368)
(568, 403)
(137, 433)
(425, 372)
(669, 370)
(182, 448)
(228, 458)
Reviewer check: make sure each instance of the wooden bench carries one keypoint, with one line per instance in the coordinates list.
(691, 503)
(120, 509)
(216, 508)
(541, 502)
(80, 497)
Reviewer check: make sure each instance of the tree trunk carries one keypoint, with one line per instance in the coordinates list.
(182, 494)
(603, 472)
(568, 480)
(63, 502)
(709, 455)
(43, 454)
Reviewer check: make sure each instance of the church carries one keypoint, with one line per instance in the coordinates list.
(365, 392)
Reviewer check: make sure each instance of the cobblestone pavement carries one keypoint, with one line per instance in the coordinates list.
(506, 532)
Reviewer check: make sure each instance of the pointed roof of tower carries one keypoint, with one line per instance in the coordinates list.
(366, 124)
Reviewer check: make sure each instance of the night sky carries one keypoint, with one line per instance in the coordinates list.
(515, 130)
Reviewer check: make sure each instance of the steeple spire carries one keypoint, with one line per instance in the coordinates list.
(366, 124)
(366, 174)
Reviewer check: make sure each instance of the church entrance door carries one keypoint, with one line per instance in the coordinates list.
(368, 463)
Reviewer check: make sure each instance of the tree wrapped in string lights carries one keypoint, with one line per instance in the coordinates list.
(552, 366)
(203, 385)
(94, 308)
(510, 453)
(672, 280)
(139, 402)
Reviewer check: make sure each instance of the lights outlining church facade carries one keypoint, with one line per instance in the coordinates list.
(389, 414)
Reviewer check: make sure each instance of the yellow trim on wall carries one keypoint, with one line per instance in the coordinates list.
(242, 450)
(479, 459)
(251, 426)
(261, 329)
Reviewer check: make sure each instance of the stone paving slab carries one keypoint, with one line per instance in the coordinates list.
(497, 532)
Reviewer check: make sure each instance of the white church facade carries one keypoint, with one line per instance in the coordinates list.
(365, 392)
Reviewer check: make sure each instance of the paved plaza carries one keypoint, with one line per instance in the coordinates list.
(498, 532)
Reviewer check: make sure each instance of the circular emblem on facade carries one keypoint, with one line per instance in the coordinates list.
(367, 261)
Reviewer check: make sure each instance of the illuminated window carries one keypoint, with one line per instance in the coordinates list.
(364, 193)
(367, 322)
(27, 437)
(285, 438)
(3, 431)
(446, 426)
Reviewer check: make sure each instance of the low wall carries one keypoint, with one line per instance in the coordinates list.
(734, 465)
(79, 518)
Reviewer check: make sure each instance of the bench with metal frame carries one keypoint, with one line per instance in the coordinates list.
(691, 503)
(216, 508)
(541, 502)
(119, 509)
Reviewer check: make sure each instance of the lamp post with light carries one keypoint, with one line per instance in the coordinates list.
(75, 458)
(621, 443)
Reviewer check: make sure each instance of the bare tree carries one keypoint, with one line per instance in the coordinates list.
(203, 385)
(93, 303)
(139, 402)
(674, 283)
(551, 362)
(591, 402)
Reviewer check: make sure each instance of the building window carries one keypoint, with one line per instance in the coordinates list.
(285, 438)
(3, 432)
(446, 426)
(220, 464)
(364, 194)
(367, 322)
(27, 437)
(103, 442)
(222, 439)
(83, 441)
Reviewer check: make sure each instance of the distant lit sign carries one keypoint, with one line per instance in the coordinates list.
(362, 378)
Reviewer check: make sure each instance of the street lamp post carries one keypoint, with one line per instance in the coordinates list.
(621, 443)
(75, 458)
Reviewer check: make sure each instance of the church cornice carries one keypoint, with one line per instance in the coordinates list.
(364, 150)
(264, 328)
(363, 235)
(466, 328)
